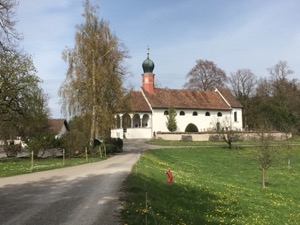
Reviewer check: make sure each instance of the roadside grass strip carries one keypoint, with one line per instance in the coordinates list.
(17, 166)
(210, 186)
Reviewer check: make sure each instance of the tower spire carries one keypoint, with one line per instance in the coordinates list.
(148, 76)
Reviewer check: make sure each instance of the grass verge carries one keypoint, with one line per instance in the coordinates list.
(211, 186)
(16, 166)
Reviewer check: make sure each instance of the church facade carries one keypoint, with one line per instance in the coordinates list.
(207, 110)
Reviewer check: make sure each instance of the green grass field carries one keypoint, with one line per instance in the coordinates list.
(211, 186)
(16, 166)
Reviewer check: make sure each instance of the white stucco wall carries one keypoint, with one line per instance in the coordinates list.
(157, 122)
(203, 122)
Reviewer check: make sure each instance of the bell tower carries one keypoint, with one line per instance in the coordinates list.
(148, 75)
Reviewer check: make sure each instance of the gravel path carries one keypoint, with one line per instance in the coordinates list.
(81, 195)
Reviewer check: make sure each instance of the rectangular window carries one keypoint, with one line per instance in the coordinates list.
(235, 116)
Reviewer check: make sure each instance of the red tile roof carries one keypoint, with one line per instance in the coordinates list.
(183, 99)
(186, 99)
(232, 101)
(138, 102)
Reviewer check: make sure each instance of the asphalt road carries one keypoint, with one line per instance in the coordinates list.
(80, 195)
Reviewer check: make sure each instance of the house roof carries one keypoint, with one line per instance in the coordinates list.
(186, 99)
(55, 125)
(138, 102)
(232, 101)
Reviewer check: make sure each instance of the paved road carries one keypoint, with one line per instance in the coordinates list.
(80, 195)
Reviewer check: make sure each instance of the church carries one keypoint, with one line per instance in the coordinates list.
(207, 110)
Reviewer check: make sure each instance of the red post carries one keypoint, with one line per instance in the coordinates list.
(170, 176)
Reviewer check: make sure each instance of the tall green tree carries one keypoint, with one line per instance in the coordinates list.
(93, 85)
(171, 119)
(23, 105)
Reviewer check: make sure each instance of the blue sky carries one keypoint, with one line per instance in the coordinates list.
(234, 34)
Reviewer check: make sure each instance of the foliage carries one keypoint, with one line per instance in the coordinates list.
(171, 119)
(210, 186)
(12, 149)
(41, 142)
(93, 85)
(114, 145)
(273, 99)
(23, 105)
(206, 76)
(74, 142)
(191, 128)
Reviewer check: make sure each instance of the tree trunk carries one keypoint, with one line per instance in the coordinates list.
(263, 181)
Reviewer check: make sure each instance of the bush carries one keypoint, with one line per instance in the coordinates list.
(116, 145)
(12, 149)
(74, 142)
(191, 128)
(110, 149)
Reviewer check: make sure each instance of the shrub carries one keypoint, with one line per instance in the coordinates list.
(74, 142)
(116, 142)
(110, 149)
(12, 149)
(191, 128)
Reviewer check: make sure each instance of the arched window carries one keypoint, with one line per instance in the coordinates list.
(166, 113)
(219, 114)
(235, 116)
(207, 114)
(182, 113)
(195, 113)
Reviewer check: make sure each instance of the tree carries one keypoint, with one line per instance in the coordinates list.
(8, 33)
(23, 105)
(276, 100)
(226, 132)
(206, 76)
(93, 85)
(265, 154)
(171, 119)
(41, 142)
(243, 83)
(280, 71)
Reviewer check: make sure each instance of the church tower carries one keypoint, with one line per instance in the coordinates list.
(148, 75)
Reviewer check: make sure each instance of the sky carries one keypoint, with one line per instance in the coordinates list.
(234, 34)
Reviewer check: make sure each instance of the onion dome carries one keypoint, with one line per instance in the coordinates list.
(148, 65)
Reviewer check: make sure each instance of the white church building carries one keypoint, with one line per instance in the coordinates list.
(208, 110)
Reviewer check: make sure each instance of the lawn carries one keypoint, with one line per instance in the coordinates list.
(211, 186)
(16, 166)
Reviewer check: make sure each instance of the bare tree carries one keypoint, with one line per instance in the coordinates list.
(8, 33)
(265, 154)
(280, 71)
(226, 131)
(206, 76)
(243, 83)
